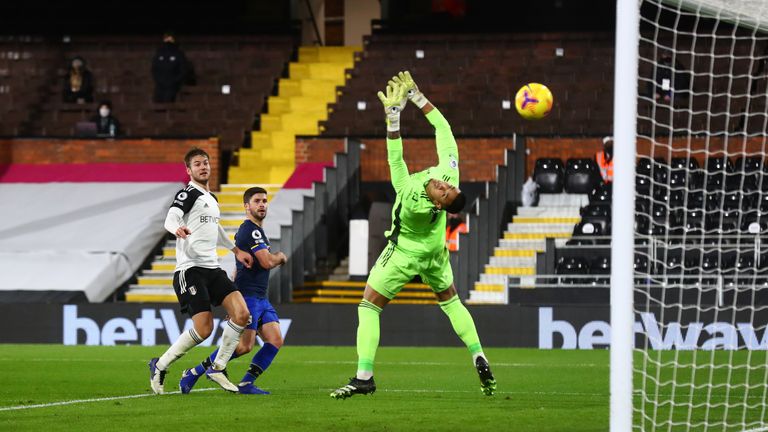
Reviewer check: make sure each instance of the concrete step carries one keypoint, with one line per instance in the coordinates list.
(540, 228)
(547, 220)
(535, 236)
(154, 281)
(517, 271)
(497, 279)
(563, 199)
(141, 294)
(512, 261)
(170, 252)
(505, 252)
(545, 211)
(489, 287)
(487, 297)
(523, 244)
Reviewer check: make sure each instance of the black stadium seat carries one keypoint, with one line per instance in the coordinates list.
(683, 172)
(602, 193)
(746, 175)
(643, 176)
(572, 265)
(601, 265)
(717, 168)
(549, 175)
(581, 175)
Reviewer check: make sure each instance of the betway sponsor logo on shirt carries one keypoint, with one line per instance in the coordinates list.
(209, 219)
(671, 335)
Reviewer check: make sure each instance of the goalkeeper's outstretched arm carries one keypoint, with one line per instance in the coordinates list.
(447, 150)
(394, 101)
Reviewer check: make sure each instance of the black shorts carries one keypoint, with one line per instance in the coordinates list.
(200, 288)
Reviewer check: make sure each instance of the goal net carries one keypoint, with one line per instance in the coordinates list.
(701, 217)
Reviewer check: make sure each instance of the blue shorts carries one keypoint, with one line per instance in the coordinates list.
(261, 311)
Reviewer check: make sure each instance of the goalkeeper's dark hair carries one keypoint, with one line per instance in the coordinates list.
(250, 192)
(458, 203)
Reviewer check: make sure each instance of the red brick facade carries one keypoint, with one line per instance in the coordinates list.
(479, 156)
(41, 151)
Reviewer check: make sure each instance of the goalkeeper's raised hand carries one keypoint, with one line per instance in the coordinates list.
(412, 90)
(393, 103)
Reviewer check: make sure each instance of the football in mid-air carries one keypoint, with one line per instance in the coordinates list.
(534, 101)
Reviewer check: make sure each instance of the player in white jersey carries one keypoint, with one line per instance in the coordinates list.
(199, 281)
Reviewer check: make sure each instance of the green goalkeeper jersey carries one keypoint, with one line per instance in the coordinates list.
(418, 227)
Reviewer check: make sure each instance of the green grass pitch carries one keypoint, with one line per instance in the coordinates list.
(419, 389)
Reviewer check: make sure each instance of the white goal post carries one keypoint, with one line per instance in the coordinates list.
(690, 217)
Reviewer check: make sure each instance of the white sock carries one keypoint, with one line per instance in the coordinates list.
(186, 341)
(475, 356)
(364, 375)
(229, 340)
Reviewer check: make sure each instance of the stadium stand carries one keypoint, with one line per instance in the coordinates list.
(301, 102)
(26, 66)
(249, 65)
(469, 76)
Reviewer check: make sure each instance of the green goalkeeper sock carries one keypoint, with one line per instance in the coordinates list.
(367, 338)
(462, 324)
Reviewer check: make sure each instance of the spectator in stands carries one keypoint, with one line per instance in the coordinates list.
(169, 69)
(78, 83)
(670, 80)
(106, 123)
(605, 159)
(454, 226)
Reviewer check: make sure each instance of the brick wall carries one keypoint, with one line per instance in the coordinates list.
(478, 156)
(41, 151)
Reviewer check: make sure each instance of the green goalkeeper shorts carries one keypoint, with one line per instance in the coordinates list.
(395, 268)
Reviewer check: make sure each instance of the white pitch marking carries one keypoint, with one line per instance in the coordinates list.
(320, 362)
(104, 399)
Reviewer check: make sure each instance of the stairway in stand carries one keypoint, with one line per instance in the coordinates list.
(302, 102)
(554, 217)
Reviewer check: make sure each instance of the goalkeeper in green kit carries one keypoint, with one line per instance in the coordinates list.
(416, 243)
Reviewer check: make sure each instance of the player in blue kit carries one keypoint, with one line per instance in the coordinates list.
(252, 283)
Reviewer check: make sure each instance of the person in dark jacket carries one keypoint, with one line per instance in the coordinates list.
(78, 83)
(169, 69)
(106, 123)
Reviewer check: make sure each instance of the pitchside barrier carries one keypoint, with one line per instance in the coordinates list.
(525, 326)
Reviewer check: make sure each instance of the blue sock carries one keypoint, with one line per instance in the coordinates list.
(261, 361)
(201, 368)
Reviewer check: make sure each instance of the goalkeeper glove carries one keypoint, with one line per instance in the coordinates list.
(412, 90)
(393, 101)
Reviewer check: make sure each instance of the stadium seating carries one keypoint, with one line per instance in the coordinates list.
(573, 265)
(26, 66)
(469, 76)
(548, 173)
(249, 65)
(581, 175)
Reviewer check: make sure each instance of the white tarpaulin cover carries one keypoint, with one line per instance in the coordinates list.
(88, 237)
